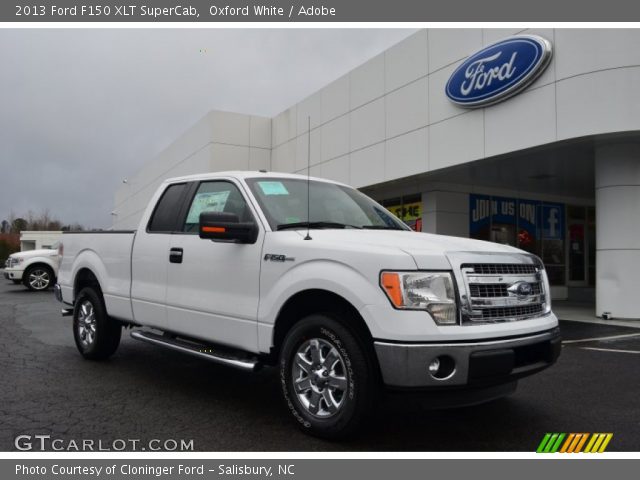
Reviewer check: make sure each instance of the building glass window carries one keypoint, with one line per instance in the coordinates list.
(407, 208)
(534, 226)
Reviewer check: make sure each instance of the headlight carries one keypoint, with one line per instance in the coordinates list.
(430, 291)
(547, 291)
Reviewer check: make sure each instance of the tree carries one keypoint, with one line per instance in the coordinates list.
(73, 227)
(39, 222)
(9, 243)
(19, 224)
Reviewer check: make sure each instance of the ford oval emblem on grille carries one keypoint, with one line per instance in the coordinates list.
(498, 71)
(521, 289)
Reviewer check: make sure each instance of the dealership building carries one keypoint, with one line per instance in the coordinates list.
(546, 157)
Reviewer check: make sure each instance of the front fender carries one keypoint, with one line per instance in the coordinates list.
(50, 262)
(329, 275)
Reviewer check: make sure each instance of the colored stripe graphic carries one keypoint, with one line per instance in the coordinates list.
(567, 443)
(581, 443)
(543, 443)
(574, 442)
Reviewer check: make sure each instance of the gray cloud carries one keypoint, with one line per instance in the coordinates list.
(83, 108)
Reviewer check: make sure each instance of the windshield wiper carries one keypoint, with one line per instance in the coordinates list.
(284, 226)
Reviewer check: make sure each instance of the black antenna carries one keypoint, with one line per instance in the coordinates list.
(308, 237)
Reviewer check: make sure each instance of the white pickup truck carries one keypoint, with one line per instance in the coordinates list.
(254, 268)
(35, 269)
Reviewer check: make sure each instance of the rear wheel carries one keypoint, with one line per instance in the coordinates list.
(38, 278)
(97, 336)
(326, 378)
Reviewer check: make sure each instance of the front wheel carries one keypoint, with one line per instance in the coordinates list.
(38, 278)
(97, 336)
(326, 378)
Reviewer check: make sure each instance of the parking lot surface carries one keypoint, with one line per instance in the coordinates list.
(145, 392)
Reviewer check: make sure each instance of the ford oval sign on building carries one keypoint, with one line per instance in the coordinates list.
(498, 71)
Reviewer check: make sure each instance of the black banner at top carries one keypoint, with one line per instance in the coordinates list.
(319, 11)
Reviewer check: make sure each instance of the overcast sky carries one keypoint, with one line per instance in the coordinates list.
(82, 109)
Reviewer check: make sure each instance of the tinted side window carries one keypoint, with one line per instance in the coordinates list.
(216, 196)
(166, 212)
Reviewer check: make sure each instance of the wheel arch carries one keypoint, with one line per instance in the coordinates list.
(310, 301)
(85, 278)
(35, 264)
(40, 263)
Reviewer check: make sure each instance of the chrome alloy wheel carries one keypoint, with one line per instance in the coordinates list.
(319, 377)
(39, 279)
(86, 323)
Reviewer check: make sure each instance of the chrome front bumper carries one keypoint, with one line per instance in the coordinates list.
(475, 363)
(11, 274)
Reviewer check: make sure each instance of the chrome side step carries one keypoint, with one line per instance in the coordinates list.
(213, 354)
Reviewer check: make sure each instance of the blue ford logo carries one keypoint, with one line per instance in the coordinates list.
(498, 71)
(520, 289)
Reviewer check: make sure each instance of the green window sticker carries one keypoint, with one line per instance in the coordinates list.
(273, 188)
(207, 202)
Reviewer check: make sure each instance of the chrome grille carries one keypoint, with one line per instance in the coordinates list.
(492, 292)
(511, 312)
(501, 268)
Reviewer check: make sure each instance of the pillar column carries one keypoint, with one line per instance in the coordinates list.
(617, 172)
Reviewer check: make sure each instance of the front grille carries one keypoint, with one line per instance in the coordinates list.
(510, 312)
(495, 290)
(488, 300)
(501, 268)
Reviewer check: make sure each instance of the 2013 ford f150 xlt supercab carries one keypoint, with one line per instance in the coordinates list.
(254, 268)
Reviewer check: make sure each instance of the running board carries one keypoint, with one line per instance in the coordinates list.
(213, 354)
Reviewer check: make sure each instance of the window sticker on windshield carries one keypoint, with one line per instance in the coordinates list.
(273, 188)
(207, 202)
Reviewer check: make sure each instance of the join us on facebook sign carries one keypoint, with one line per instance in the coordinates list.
(540, 219)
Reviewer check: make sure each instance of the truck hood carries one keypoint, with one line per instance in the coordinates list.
(36, 253)
(428, 250)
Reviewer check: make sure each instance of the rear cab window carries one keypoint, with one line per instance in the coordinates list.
(165, 215)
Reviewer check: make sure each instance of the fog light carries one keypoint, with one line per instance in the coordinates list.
(442, 367)
(434, 366)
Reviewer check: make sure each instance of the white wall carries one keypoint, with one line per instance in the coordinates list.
(36, 240)
(389, 118)
(219, 141)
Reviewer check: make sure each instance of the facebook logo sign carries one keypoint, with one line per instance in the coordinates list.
(553, 221)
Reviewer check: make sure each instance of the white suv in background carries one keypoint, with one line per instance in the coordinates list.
(35, 269)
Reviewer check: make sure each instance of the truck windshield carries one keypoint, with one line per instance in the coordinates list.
(284, 203)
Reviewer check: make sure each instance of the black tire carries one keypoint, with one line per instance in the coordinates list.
(38, 278)
(97, 337)
(357, 398)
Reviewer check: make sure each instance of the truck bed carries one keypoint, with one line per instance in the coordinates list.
(108, 254)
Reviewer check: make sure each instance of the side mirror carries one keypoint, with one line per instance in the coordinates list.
(226, 227)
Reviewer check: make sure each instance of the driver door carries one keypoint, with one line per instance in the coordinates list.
(213, 290)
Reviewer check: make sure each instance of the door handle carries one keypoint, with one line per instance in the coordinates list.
(175, 255)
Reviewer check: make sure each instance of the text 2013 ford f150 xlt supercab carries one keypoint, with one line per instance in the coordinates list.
(256, 268)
